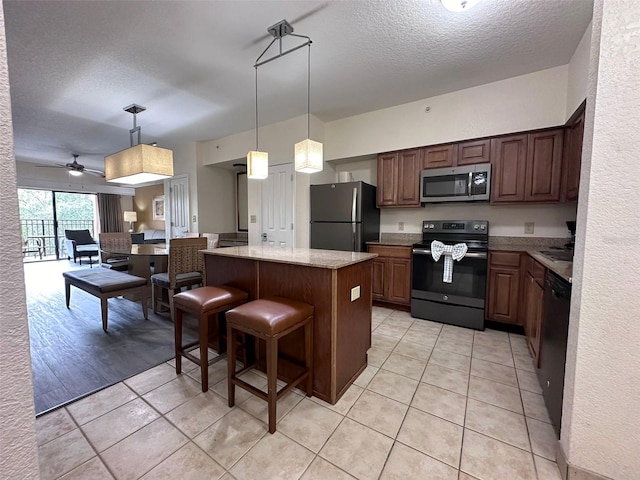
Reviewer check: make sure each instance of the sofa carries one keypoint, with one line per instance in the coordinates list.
(154, 236)
(80, 243)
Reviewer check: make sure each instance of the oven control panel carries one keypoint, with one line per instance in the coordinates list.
(455, 226)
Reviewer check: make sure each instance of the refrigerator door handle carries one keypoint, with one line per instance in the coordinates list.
(354, 203)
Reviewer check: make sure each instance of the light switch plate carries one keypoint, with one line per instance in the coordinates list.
(253, 219)
(401, 226)
(355, 293)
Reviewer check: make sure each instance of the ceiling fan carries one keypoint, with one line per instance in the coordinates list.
(76, 168)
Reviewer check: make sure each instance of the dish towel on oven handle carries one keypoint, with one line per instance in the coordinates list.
(451, 252)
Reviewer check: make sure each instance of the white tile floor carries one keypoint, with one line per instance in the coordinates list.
(435, 402)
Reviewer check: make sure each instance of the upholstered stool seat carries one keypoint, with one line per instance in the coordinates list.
(204, 303)
(270, 319)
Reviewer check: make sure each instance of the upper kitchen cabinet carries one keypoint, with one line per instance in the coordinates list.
(439, 156)
(474, 151)
(544, 166)
(399, 178)
(527, 167)
(509, 160)
(573, 157)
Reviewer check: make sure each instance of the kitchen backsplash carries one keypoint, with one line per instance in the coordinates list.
(504, 220)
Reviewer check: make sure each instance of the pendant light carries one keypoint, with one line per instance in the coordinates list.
(308, 153)
(257, 161)
(139, 163)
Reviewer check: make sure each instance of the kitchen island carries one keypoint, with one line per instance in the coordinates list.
(336, 283)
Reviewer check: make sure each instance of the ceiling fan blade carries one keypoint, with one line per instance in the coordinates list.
(293, 22)
(52, 166)
(97, 173)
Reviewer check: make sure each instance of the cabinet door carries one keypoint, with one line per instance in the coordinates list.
(477, 151)
(509, 159)
(378, 283)
(399, 281)
(503, 292)
(409, 178)
(544, 164)
(440, 156)
(573, 159)
(535, 294)
(387, 179)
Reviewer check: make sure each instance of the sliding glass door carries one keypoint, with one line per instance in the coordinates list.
(44, 217)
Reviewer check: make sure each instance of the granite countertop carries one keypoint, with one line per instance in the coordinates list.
(331, 259)
(534, 246)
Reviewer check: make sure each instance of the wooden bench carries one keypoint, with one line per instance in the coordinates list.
(105, 284)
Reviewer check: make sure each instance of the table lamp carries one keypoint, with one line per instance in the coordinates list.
(130, 217)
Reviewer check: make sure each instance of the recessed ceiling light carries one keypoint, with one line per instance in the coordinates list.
(459, 5)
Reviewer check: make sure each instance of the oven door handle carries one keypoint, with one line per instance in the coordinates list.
(424, 251)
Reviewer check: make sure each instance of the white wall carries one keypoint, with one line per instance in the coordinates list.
(520, 103)
(601, 421)
(579, 73)
(18, 452)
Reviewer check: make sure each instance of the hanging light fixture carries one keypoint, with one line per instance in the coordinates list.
(139, 163)
(257, 161)
(308, 153)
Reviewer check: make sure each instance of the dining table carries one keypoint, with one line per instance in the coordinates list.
(144, 260)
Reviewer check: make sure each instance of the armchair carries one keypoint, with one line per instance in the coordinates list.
(80, 243)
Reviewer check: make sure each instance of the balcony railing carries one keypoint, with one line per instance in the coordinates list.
(40, 233)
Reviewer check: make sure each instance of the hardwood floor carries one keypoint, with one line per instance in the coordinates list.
(71, 356)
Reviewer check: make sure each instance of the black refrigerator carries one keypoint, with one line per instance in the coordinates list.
(344, 216)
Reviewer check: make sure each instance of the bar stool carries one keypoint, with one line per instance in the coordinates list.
(270, 319)
(204, 303)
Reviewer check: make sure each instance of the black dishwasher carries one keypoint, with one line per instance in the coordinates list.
(553, 345)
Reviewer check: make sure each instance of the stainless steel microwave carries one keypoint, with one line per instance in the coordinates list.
(469, 183)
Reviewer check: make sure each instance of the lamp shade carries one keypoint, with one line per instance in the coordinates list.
(257, 165)
(308, 156)
(130, 216)
(139, 164)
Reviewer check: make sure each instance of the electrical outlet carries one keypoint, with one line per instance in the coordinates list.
(355, 293)
(528, 227)
(401, 226)
(253, 219)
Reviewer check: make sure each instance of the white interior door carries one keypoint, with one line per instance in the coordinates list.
(179, 206)
(277, 206)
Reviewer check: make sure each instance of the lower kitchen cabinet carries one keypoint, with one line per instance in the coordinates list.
(503, 287)
(533, 300)
(391, 274)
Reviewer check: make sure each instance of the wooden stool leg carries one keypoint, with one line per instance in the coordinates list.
(308, 355)
(203, 327)
(272, 381)
(177, 334)
(231, 365)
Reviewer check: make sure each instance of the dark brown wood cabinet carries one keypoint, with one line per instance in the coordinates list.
(573, 158)
(474, 151)
(532, 302)
(399, 178)
(391, 274)
(509, 162)
(439, 156)
(527, 167)
(503, 288)
(544, 164)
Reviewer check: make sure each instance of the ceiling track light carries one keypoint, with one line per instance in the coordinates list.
(308, 153)
(140, 163)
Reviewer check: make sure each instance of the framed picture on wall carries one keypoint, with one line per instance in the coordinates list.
(158, 207)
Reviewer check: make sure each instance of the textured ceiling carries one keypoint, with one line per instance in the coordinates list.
(73, 65)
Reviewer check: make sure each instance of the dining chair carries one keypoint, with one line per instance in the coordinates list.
(213, 239)
(185, 269)
(118, 242)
